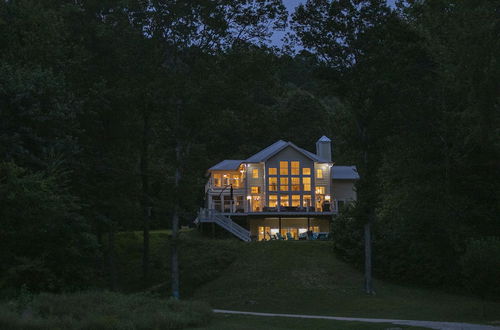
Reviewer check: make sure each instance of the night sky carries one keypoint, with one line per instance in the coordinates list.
(290, 5)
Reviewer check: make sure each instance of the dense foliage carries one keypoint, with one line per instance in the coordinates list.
(101, 310)
(111, 112)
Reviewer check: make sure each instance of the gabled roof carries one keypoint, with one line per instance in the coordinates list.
(267, 152)
(276, 147)
(345, 173)
(227, 165)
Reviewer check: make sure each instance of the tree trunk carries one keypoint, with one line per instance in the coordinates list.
(111, 259)
(368, 257)
(174, 257)
(145, 200)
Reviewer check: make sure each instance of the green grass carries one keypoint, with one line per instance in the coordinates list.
(243, 322)
(307, 278)
(102, 310)
(200, 260)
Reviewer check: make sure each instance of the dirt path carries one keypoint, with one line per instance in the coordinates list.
(425, 324)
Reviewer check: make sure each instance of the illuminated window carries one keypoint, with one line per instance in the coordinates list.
(284, 200)
(295, 200)
(225, 179)
(217, 180)
(319, 173)
(295, 184)
(320, 190)
(306, 200)
(273, 200)
(307, 184)
(283, 168)
(255, 190)
(306, 171)
(273, 171)
(255, 173)
(284, 184)
(273, 184)
(236, 181)
(295, 168)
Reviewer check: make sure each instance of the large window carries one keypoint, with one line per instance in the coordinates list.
(306, 182)
(283, 168)
(295, 184)
(273, 184)
(306, 171)
(295, 168)
(217, 179)
(306, 200)
(284, 184)
(273, 171)
(320, 190)
(284, 201)
(236, 180)
(319, 173)
(255, 173)
(295, 200)
(273, 200)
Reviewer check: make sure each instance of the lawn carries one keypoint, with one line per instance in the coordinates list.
(285, 277)
(242, 322)
(306, 277)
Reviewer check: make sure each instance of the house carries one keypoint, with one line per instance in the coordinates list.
(281, 189)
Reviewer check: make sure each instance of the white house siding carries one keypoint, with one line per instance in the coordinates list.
(326, 180)
(344, 190)
(255, 182)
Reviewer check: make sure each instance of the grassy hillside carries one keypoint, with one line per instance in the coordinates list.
(306, 277)
(285, 277)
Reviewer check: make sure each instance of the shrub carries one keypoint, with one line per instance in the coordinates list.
(104, 310)
(481, 266)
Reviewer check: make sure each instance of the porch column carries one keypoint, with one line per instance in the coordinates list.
(279, 224)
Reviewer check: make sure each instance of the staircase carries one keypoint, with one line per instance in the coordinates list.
(205, 215)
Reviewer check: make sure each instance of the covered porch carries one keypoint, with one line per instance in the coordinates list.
(264, 228)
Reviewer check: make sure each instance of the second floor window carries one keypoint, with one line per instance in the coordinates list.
(273, 171)
(273, 200)
(320, 190)
(295, 184)
(307, 184)
(255, 173)
(255, 190)
(273, 184)
(306, 171)
(284, 184)
(319, 173)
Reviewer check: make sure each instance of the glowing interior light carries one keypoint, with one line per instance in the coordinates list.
(327, 197)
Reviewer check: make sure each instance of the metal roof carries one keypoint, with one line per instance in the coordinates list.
(345, 173)
(267, 152)
(324, 139)
(226, 165)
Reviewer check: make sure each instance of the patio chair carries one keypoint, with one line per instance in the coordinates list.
(280, 237)
(271, 237)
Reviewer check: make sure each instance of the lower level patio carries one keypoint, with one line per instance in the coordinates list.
(269, 227)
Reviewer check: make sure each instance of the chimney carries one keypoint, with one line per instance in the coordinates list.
(324, 148)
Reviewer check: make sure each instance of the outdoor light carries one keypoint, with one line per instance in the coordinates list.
(249, 197)
(327, 197)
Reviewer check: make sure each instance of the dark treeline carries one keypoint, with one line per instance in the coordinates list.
(111, 112)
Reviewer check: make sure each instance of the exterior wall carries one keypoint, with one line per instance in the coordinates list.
(255, 182)
(344, 190)
(290, 154)
(326, 180)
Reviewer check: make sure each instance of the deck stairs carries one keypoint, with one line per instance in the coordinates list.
(212, 216)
